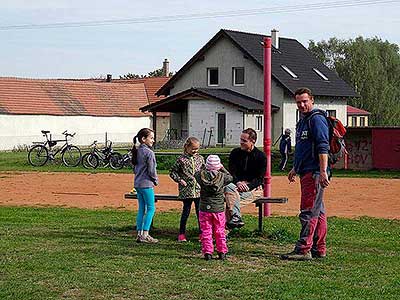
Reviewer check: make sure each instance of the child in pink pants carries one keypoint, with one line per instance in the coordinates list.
(212, 208)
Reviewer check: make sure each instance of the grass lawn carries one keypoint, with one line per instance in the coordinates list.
(60, 253)
(17, 161)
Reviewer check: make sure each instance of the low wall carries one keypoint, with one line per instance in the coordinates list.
(372, 148)
(20, 130)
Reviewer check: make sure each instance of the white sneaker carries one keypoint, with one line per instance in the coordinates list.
(148, 239)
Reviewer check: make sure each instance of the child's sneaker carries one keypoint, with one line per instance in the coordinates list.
(182, 238)
(221, 256)
(207, 256)
(148, 240)
(139, 238)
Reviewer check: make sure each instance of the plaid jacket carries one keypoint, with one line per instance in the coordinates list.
(184, 168)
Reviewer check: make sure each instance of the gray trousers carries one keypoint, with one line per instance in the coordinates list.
(241, 199)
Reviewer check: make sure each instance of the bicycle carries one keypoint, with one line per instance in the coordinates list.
(126, 160)
(39, 154)
(106, 156)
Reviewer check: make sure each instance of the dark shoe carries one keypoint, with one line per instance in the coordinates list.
(235, 222)
(297, 256)
(318, 255)
(221, 256)
(207, 256)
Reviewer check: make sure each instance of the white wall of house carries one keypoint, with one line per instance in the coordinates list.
(19, 130)
(225, 56)
(203, 114)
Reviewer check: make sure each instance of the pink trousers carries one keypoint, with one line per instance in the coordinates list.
(212, 223)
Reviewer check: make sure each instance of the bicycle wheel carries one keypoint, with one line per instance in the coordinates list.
(38, 155)
(116, 162)
(94, 160)
(90, 161)
(71, 156)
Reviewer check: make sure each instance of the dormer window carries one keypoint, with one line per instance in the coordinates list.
(320, 74)
(290, 72)
(238, 76)
(212, 77)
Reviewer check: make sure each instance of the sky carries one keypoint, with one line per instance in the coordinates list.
(81, 51)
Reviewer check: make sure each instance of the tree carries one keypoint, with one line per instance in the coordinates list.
(372, 67)
(155, 73)
(131, 76)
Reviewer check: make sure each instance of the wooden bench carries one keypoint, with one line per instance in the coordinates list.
(263, 200)
(156, 196)
(258, 203)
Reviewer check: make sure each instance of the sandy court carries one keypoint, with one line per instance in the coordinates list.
(346, 197)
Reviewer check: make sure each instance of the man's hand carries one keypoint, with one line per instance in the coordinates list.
(242, 186)
(323, 179)
(292, 176)
(183, 182)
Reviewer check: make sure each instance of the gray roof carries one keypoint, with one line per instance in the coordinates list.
(174, 102)
(291, 53)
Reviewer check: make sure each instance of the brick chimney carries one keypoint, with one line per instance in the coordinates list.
(275, 38)
(165, 68)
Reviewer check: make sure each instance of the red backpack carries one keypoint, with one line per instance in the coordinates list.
(337, 131)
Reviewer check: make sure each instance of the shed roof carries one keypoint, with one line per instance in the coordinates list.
(174, 102)
(351, 110)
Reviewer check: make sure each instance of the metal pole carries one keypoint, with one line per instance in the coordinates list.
(267, 121)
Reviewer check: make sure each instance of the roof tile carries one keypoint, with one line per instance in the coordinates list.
(66, 97)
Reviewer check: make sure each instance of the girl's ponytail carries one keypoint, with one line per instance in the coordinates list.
(134, 151)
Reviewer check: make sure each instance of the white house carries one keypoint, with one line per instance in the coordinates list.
(220, 89)
(89, 108)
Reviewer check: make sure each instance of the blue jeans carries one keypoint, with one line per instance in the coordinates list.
(146, 209)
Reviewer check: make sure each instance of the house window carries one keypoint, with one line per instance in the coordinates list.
(354, 121)
(238, 76)
(331, 113)
(362, 121)
(320, 74)
(290, 72)
(259, 123)
(212, 77)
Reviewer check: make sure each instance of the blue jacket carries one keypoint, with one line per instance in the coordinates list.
(145, 169)
(312, 139)
(285, 145)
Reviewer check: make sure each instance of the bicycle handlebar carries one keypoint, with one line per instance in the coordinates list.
(68, 134)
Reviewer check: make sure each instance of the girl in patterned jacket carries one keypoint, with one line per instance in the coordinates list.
(182, 172)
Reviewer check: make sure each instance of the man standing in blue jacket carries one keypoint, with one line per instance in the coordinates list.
(311, 164)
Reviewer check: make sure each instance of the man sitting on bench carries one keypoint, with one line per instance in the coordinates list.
(247, 165)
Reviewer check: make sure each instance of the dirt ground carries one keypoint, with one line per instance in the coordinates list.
(346, 197)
